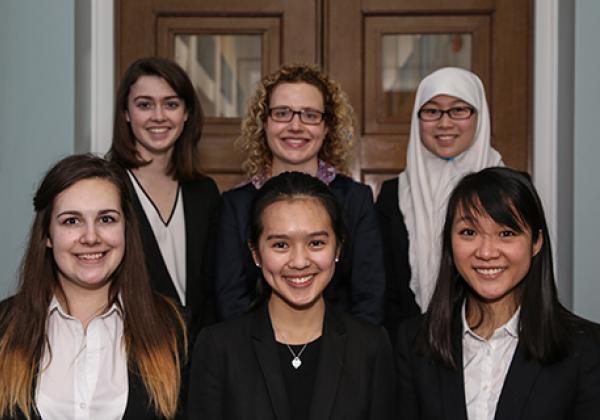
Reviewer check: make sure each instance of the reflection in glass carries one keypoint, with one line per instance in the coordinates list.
(408, 58)
(223, 68)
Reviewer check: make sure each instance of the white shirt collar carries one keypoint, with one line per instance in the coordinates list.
(511, 327)
(55, 306)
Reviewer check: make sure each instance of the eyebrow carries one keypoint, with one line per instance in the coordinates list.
(78, 213)
(312, 235)
(453, 103)
(165, 98)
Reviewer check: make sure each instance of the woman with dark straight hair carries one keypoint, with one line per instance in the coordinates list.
(301, 120)
(295, 356)
(157, 127)
(496, 343)
(85, 336)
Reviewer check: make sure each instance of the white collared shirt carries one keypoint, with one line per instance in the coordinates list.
(83, 374)
(170, 236)
(485, 365)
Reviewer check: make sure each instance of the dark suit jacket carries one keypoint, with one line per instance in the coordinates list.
(400, 301)
(200, 205)
(359, 280)
(565, 390)
(236, 373)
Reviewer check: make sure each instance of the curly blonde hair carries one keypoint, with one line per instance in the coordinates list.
(339, 119)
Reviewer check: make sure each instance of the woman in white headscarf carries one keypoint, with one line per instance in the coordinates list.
(449, 137)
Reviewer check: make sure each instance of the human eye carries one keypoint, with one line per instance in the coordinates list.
(311, 115)
(70, 220)
(507, 233)
(430, 113)
(280, 113)
(172, 104)
(279, 245)
(317, 243)
(460, 111)
(143, 105)
(466, 232)
(107, 219)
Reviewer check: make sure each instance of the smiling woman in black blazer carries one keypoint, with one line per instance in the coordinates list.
(495, 342)
(295, 356)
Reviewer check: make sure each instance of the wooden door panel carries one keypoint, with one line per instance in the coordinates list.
(344, 36)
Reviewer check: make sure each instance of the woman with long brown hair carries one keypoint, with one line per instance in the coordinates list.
(85, 336)
(157, 127)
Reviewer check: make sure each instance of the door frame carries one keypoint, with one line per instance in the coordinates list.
(547, 160)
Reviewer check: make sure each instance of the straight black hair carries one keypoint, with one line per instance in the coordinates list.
(509, 198)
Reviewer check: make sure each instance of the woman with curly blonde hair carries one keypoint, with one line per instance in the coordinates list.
(300, 120)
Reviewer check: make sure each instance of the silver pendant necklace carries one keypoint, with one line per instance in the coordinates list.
(296, 362)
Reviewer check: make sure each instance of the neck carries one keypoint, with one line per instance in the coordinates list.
(296, 325)
(158, 163)
(486, 318)
(310, 168)
(83, 304)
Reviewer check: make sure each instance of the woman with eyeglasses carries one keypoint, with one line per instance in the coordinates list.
(300, 120)
(449, 137)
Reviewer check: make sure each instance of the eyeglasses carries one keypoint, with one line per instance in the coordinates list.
(308, 116)
(455, 113)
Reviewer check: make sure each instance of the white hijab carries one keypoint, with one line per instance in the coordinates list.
(425, 185)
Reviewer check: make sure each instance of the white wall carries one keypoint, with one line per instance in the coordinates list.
(37, 91)
(586, 232)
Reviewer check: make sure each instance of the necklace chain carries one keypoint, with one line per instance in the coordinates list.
(296, 362)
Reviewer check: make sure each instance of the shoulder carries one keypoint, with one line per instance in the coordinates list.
(242, 193)
(389, 188)
(203, 184)
(358, 330)
(350, 186)
(228, 333)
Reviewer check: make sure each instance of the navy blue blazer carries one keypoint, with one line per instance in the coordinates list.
(566, 390)
(358, 284)
(201, 202)
(236, 373)
(400, 301)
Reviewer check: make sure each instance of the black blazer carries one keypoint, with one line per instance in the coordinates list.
(236, 373)
(565, 390)
(358, 284)
(400, 301)
(200, 206)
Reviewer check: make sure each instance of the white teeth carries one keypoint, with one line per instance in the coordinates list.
(90, 257)
(489, 271)
(299, 280)
(159, 130)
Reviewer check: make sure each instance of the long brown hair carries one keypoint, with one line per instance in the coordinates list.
(184, 165)
(154, 332)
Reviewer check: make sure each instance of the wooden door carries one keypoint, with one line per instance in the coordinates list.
(351, 39)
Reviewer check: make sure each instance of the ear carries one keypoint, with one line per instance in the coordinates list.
(48, 242)
(185, 116)
(255, 255)
(127, 118)
(537, 246)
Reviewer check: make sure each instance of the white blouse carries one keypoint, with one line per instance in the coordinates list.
(83, 374)
(170, 235)
(485, 364)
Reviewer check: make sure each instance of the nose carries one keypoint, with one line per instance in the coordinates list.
(295, 123)
(158, 114)
(445, 121)
(487, 248)
(89, 236)
(299, 258)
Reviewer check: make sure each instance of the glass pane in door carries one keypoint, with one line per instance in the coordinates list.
(223, 68)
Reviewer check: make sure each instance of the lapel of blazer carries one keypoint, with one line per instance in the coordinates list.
(159, 275)
(521, 377)
(452, 382)
(331, 363)
(193, 216)
(263, 341)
